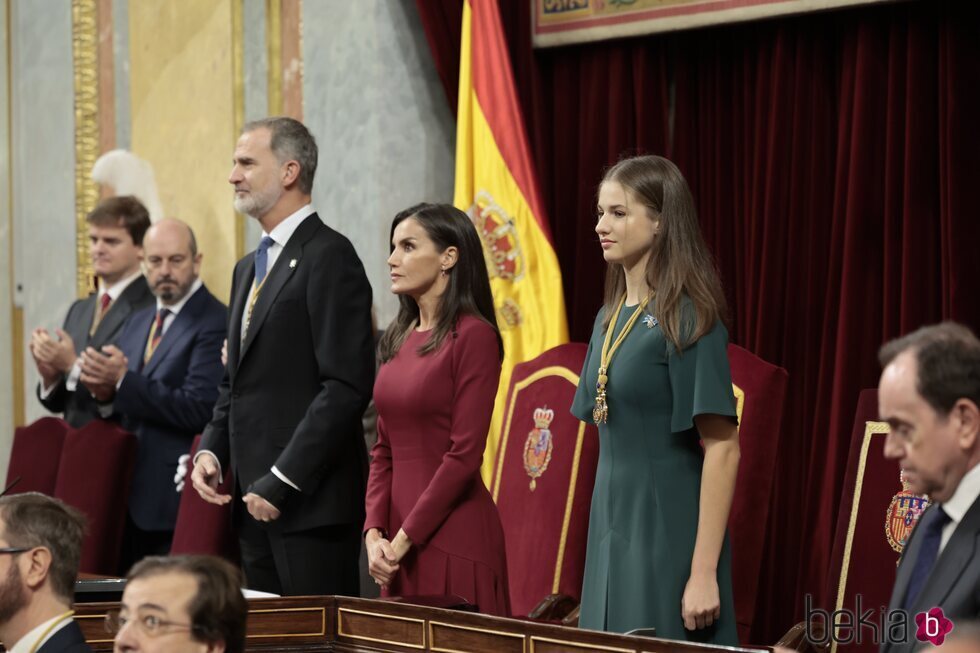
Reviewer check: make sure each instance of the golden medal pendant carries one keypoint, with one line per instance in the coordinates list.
(600, 414)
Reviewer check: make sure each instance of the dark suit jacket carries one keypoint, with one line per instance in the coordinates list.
(169, 400)
(953, 584)
(295, 389)
(67, 640)
(79, 406)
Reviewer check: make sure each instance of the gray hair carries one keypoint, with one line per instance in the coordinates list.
(291, 141)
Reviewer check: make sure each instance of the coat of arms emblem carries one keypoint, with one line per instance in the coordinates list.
(903, 513)
(537, 448)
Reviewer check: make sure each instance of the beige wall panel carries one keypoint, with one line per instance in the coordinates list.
(182, 94)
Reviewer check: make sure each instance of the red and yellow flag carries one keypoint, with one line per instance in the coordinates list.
(496, 185)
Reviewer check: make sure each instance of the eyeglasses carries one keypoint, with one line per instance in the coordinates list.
(150, 624)
(13, 549)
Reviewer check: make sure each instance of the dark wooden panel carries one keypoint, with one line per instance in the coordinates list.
(342, 624)
(377, 628)
(454, 638)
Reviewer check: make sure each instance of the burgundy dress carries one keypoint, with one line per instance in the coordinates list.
(433, 418)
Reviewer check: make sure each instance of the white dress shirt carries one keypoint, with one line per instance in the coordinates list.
(966, 493)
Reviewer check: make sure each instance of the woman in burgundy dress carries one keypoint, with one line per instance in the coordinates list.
(432, 527)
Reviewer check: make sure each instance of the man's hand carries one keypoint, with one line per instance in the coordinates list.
(59, 354)
(49, 374)
(259, 508)
(205, 480)
(102, 371)
(106, 367)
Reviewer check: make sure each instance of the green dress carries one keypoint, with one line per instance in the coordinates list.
(644, 515)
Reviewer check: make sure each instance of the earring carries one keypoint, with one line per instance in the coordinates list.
(444, 273)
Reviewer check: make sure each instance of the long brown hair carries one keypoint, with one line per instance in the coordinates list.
(468, 288)
(679, 262)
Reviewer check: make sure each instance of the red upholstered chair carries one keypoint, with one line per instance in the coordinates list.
(94, 476)
(875, 519)
(760, 392)
(35, 455)
(543, 479)
(203, 527)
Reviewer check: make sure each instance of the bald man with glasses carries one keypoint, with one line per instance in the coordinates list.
(40, 549)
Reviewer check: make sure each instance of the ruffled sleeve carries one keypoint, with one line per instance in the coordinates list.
(700, 378)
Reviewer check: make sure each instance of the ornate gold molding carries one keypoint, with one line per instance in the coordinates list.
(238, 99)
(273, 30)
(85, 56)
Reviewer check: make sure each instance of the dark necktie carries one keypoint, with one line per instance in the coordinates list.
(104, 301)
(932, 534)
(156, 333)
(262, 259)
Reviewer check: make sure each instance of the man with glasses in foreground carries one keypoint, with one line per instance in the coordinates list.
(40, 548)
(181, 604)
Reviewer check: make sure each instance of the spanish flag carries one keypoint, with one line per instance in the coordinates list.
(496, 185)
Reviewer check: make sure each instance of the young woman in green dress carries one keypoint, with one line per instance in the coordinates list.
(656, 381)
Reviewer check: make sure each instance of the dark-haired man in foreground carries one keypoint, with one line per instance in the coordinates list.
(181, 604)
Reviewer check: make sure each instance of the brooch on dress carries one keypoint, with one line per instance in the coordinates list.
(650, 321)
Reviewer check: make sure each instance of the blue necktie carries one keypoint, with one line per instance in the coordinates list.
(262, 259)
(932, 534)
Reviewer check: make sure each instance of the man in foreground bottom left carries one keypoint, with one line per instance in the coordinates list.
(40, 549)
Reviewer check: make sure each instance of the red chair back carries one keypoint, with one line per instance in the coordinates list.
(875, 518)
(203, 527)
(94, 476)
(35, 455)
(760, 391)
(543, 479)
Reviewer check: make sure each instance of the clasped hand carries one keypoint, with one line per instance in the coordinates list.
(52, 356)
(103, 370)
(384, 556)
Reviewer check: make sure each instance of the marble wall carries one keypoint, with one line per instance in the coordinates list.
(43, 171)
(6, 307)
(373, 100)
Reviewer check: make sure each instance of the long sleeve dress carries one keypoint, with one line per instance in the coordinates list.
(645, 503)
(433, 417)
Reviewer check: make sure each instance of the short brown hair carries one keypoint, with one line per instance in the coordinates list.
(122, 211)
(34, 519)
(948, 360)
(218, 611)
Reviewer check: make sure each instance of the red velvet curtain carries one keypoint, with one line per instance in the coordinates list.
(832, 158)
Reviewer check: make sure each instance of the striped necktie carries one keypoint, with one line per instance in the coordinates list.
(156, 333)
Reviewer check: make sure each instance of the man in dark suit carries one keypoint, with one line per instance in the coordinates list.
(299, 375)
(40, 548)
(116, 228)
(929, 394)
(161, 381)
